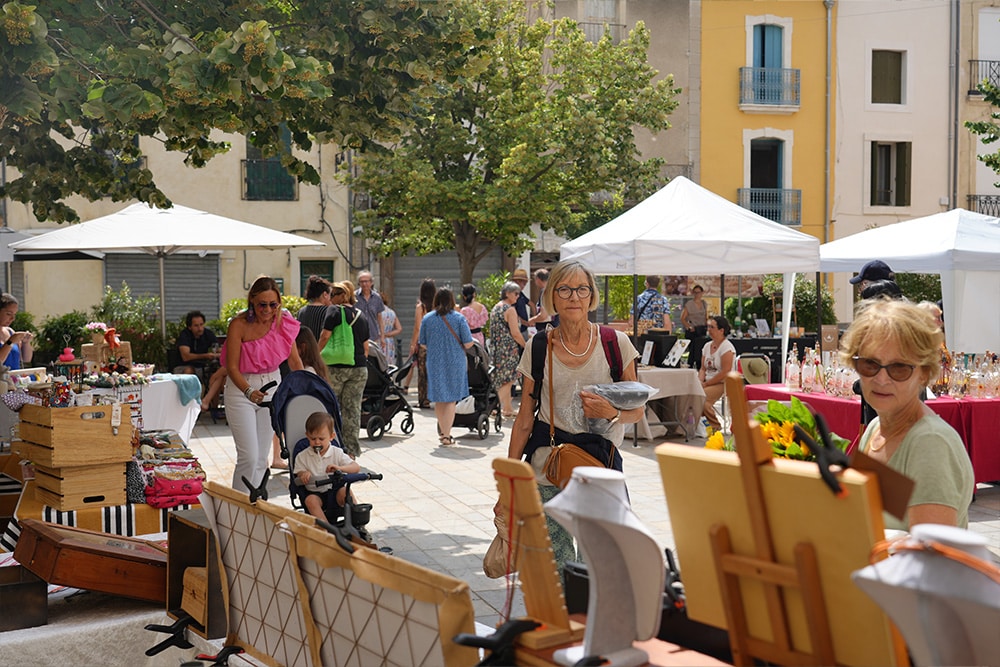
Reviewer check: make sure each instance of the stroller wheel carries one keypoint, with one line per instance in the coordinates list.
(375, 427)
(407, 425)
(483, 426)
(388, 426)
(498, 422)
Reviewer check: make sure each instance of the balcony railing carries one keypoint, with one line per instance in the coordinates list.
(776, 204)
(594, 31)
(770, 85)
(267, 180)
(980, 70)
(985, 204)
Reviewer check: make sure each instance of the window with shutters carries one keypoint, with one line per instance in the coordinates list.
(768, 84)
(887, 77)
(890, 173)
(265, 179)
(314, 267)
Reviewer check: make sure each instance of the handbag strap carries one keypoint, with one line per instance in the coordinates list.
(448, 324)
(906, 543)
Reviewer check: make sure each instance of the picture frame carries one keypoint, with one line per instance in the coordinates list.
(673, 358)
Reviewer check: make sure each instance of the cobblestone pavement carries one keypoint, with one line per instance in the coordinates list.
(435, 504)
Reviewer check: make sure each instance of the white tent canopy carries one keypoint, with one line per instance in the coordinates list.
(685, 229)
(160, 232)
(962, 246)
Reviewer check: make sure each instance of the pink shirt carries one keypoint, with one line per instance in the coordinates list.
(264, 355)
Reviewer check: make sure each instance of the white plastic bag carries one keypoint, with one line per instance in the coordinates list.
(626, 395)
(466, 406)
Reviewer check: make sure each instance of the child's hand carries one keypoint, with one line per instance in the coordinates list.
(305, 476)
(332, 468)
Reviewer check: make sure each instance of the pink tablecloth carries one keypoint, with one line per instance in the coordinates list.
(975, 419)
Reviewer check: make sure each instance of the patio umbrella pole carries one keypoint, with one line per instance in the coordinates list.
(163, 299)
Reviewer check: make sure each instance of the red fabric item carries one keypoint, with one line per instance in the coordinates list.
(173, 487)
(166, 502)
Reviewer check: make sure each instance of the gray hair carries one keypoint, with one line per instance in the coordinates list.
(509, 287)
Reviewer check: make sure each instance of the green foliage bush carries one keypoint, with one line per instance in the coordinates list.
(919, 287)
(24, 321)
(60, 332)
(137, 320)
(804, 298)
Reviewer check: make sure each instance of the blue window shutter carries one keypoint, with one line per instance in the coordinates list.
(772, 46)
(758, 45)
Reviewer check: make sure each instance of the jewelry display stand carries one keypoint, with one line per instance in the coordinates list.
(531, 556)
(626, 567)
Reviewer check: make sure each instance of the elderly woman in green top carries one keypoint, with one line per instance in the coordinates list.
(895, 347)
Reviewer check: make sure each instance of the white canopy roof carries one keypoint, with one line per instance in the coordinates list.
(685, 229)
(956, 239)
(161, 232)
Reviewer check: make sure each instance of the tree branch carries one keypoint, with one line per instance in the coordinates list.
(153, 15)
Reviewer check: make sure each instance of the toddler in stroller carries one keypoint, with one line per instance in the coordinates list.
(297, 398)
(319, 459)
(485, 399)
(383, 398)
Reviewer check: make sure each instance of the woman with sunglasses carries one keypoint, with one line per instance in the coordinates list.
(575, 357)
(258, 340)
(895, 348)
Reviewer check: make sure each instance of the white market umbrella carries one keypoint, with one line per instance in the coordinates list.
(160, 232)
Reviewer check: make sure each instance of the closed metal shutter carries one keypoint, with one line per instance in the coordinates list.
(191, 282)
(410, 270)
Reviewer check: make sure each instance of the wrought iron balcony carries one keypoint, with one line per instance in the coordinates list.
(985, 204)
(267, 180)
(595, 30)
(776, 204)
(980, 70)
(772, 86)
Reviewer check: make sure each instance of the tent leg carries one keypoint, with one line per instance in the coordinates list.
(163, 301)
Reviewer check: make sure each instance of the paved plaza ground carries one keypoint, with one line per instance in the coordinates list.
(435, 504)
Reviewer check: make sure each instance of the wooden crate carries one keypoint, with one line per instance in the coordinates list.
(92, 560)
(67, 437)
(81, 487)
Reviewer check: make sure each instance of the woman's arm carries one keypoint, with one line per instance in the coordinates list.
(294, 360)
(932, 513)
(513, 323)
(234, 346)
(418, 315)
(27, 351)
(525, 420)
(686, 318)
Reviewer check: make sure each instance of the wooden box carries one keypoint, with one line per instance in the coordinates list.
(81, 486)
(194, 583)
(102, 354)
(95, 561)
(66, 437)
(24, 601)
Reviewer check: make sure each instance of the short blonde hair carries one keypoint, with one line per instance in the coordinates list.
(560, 272)
(910, 326)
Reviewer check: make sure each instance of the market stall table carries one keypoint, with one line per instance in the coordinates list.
(679, 384)
(168, 403)
(974, 419)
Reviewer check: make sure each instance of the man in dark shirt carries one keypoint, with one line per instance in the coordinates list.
(197, 345)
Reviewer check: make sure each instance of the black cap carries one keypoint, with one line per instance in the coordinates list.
(873, 270)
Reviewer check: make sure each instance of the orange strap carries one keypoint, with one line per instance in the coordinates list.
(908, 543)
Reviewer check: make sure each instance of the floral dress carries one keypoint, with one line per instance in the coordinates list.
(506, 351)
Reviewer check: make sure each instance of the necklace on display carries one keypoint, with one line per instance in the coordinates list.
(590, 340)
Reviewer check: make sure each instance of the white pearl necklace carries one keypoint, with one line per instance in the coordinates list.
(590, 341)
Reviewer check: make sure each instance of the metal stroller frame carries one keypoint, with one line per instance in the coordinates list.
(383, 397)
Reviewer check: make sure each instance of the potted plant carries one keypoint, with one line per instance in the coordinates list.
(96, 331)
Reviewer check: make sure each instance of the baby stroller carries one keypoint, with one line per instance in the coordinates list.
(484, 393)
(383, 398)
(300, 394)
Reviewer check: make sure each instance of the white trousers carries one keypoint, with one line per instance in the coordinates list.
(251, 427)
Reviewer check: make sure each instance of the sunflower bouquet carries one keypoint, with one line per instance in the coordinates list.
(777, 425)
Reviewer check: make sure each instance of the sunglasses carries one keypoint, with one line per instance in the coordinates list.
(869, 368)
(268, 304)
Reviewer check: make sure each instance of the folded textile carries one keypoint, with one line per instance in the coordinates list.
(188, 387)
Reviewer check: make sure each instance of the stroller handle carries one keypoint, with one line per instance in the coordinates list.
(339, 478)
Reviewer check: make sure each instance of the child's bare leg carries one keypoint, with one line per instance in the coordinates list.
(215, 385)
(314, 505)
(276, 460)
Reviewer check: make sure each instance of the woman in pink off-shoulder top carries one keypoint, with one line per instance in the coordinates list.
(259, 339)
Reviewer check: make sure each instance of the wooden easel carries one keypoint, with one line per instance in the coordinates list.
(531, 556)
(754, 452)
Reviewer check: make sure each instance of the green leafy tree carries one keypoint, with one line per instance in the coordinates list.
(79, 81)
(988, 130)
(544, 120)
(136, 320)
(919, 287)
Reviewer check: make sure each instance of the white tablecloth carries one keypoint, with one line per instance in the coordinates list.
(162, 409)
(679, 391)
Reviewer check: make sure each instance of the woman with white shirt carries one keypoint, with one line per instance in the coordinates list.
(717, 361)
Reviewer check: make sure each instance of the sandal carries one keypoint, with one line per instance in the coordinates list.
(509, 415)
(446, 440)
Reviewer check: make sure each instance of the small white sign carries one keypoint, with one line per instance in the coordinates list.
(673, 359)
(647, 352)
(763, 331)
